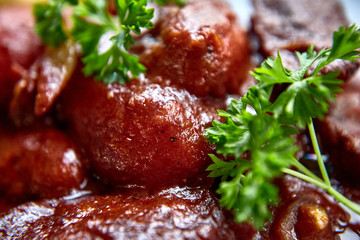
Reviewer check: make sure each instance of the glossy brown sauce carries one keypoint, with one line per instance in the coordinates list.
(83, 160)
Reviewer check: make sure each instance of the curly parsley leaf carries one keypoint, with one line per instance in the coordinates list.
(177, 2)
(346, 44)
(105, 39)
(270, 148)
(246, 183)
(227, 169)
(272, 72)
(49, 21)
(307, 97)
(257, 132)
(232, 137)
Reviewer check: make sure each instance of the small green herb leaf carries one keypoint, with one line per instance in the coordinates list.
(106, 39)
(272, 72)
(49, 21)
(346, 44)
(260, 131)
(177, 2)
(307, 99)
(246, 183)
(227, 169)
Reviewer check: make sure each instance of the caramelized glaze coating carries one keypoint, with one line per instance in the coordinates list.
(54, 72)
(175, 213)
(38, 164)
(140, 133)
(200, 48)
(147, 133)
(150, 132)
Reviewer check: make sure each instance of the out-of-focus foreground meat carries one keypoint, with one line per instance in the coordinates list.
(19, 47)
(288, 26)
(17, 35)
(38, 164)
(174, 213)
(199, 48)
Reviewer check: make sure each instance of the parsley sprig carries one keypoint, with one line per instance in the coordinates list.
(258, 132)
(104, 38)
(177, 2)
(49, 21)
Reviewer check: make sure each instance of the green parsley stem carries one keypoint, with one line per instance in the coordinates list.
(316, 147)
(306, 178)
(341, 198)
(338, 196)
(305, 170)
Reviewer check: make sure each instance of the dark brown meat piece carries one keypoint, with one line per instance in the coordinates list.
(288, 26)
(6, 84)
(31, 78)
(198, 47)
(140, 133)
(294, 25)
(35, 94)
(55, 70)
(305, 212)
(150, 132)
(175, 213)
(38, 164)
(340, 132)
(19, 47)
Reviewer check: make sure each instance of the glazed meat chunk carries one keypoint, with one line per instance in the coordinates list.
(38, 164)
(340, 131)
(175, 213)
(140, 133)
(150, 132)
(305, 212)
(288, 26)
(198, 47)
